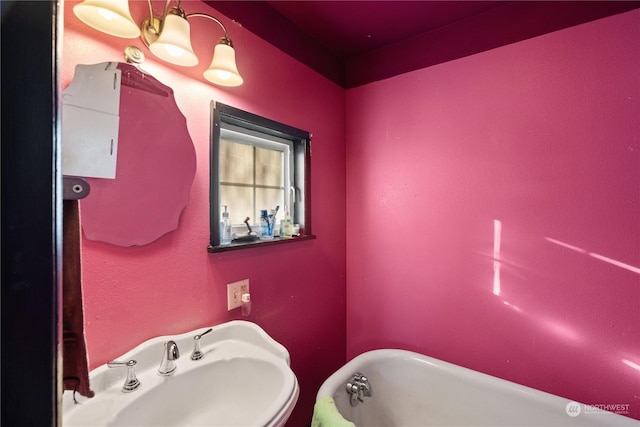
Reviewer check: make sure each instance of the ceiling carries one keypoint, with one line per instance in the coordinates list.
(351, 28)
(358, 42)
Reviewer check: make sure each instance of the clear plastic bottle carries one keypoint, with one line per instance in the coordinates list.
(286, 225)
(246, 304)
(225, 228)
(264, 224)
(267, 223)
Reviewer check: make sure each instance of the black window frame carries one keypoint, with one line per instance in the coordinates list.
(300, 178)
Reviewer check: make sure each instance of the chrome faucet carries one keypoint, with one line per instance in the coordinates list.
(169, 356)
(357, 388)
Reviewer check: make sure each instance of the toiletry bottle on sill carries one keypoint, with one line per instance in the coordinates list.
(264, 224)
(286, 225)
(225, 228)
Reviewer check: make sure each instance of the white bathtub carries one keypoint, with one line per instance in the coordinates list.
(410, 390)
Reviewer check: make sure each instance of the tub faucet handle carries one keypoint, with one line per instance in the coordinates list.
(354, 391)
(365, 386)
(131, 383)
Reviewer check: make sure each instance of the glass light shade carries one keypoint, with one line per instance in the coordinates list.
(109, 16)
(174, 43)
(223, 70)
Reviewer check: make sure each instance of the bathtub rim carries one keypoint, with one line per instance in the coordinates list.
(339, 378)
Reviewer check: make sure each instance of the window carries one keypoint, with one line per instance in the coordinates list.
(256, 164)
(254, 173)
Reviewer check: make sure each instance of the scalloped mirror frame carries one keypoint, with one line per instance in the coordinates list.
(155, 169)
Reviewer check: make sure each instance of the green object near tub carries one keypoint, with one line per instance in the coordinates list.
(325, 414)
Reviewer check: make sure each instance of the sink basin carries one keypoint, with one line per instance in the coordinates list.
(244, 379)
(229, 392)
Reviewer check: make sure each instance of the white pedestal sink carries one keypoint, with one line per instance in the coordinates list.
(244, 379)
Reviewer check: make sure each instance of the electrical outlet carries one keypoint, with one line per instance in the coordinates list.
(234, 293)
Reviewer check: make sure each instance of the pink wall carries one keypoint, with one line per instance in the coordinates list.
(542, 136)
(173, 285)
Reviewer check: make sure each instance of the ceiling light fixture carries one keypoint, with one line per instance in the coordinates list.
(168, 37)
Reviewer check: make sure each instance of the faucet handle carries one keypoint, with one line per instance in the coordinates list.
(197, 354)
(197, 337)
(131, 383)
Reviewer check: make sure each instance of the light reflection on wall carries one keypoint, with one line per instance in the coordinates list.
(595, 255)
(497, 236)
(561, 330)
(631, 364)
(512, 306)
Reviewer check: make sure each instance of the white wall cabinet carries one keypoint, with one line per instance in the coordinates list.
(90, 121)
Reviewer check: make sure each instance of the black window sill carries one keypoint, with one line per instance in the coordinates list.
(234, 246)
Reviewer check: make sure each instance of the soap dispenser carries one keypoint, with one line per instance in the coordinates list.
(225, 227)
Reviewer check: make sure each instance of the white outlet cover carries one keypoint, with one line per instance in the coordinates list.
(234, 293)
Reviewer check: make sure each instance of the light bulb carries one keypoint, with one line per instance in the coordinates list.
(224, 75)
(174, 50)
(107, 14)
